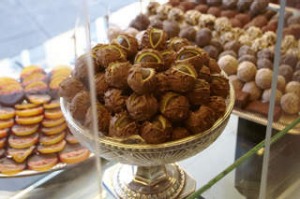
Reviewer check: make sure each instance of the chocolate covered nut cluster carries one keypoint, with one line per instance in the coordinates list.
(165, 91)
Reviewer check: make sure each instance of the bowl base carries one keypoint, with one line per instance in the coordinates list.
(166, 181)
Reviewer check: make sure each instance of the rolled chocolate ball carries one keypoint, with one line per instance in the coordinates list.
(176, 14)
(103, 119)
(264, 63)
(192, 17)
(245, 50)
(244, 18)
(290, 103)
(110, 53)
(217, 44)
(244, 5)
(176, 43)
(215, 11)
(228, 52)
(171, 28)
(101, 85)
(296, 76)
(217, 104)
(200, 120)
(228, 13)
(156, 22)
(200, 93)
(266, 96)
(229, 4)
(128, 43)
(149, 58)
(246, 71)
(116, 74)
(214, 2)
(174, 107)
(211, 51)
(154, 38)
(286, 71)
(188, 32)
(69, 87)
(203, 37)
(249, 58)
(253, 90)
(157, 131)
(181, 77)
(141, 107)
(281, 83)
(79, 104)
(293, 87)
(142, 80)
(259, 21)
(289, 59)
(219, 86)
(236, 82)
(295, 19)
(162, 83)
(131, 31)
(201, 8)
(141, 22)
(297, 66)
(236, 23)
(186, 5)
(232, 45)
(265, 53)
(114, 100)
(122, 126)
(258, 6)
(228, 64)
(169, 57)
(179, 133)
(263, 78)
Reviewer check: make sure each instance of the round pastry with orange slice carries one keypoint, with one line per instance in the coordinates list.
(53, 122)
(6, 123)
(30, 112)
(3, 142)
(24, 130)
(52, 104)
(20, 155)
(6, 113)
(74, 153)
(54, 130)
(38, 98)
(54, 148)
(29, 70)
(29, 120)
(42, 162)
(53, 113)
(10, 167)
(52, 139)
(23, 142)
(4, 132)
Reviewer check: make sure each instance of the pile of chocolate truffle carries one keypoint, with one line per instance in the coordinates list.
(161, 90)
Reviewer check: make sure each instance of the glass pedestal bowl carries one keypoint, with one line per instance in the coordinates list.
(148, 171)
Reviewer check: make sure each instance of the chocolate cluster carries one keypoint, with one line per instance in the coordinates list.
(165, 91)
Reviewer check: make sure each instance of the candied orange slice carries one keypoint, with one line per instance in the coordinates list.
(24, 130)
(34, 78)
(52, 104)
(10, 167)
(36, 87)
(6, 123)
(42, 162)
(20, 155)
(30, 112)
(2, 142)
(6, 113)
(4, 132)
(29, 70)
(25, 106)
(71, 139)
(54, 148)
(54, 130)
(4, 81)
(53, 122)
(74, 153)
(53, 113)
(19, 142)
(39, 99)
(29, 120)
(52, 139)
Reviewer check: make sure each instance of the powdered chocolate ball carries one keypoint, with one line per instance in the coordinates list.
(236, 23)
(253, 90)
(289, 59)
(203, 37)
(232, 45)
(229, 4)
(214, 2)
(263, 78)
(246, 50)
(141, 22)
(171, 28)
(265, 53)
(264, 63)
(246, 71)
(228, 64)
(228, 13)
(281, 83)
(266, 96)
(244, 5)
(188, 32)
(244, 18)
(228, 52)
(286, 71)
(293, 87)
(236, 82)
(290, 103)
(249, 58)
(212, 51)
(214, 11)
(296, 76)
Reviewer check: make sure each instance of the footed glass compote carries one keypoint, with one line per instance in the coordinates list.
(149, 171)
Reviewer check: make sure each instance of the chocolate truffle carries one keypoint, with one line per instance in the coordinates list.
(179, 133)
(214, 2)
(186, 5)
(244, 5)
(253, 90)
(141, 22)
(264, 63)
(236, 23)
(114, 100)
(169, 57)
(228, 64)
(281, 83)
(213, 66)
(245, 50)
(149, 58)
(263, 78)
(69, 87)
(236, 82)
(192, 17)
(171, 28)
(266, 96)
(217, 44)
(141, 107)
(142, 80)
(219, 86)
(290, 103)
(116, 74)
(203, 37)
(228, 13)
(154, 38)
(181, 77)
(109, 53)
(265, 53)
(127, 43)
(79, 104)
(293, 87)
(174, 107)
(248, 58)
(176, 14)
(217, 104)
(215, 11)
(297, 66)
(232, 45)
(122, 126)
(100, 84)
(289, 59)
(201, 8)
(162, 83)
(211, 51)
(258, 6)
(204, 73)
(200, 93)
(176, 43)
(244, 18)
(157, 131)
(103, 118)
(286, 71)
(228, 52)
(296, 76)
(246, 71)
(200, 120)
(188, 32)
(156, 22)
(259, 21)
(229, 4)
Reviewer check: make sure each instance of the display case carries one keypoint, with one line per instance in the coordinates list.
(150, 99)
